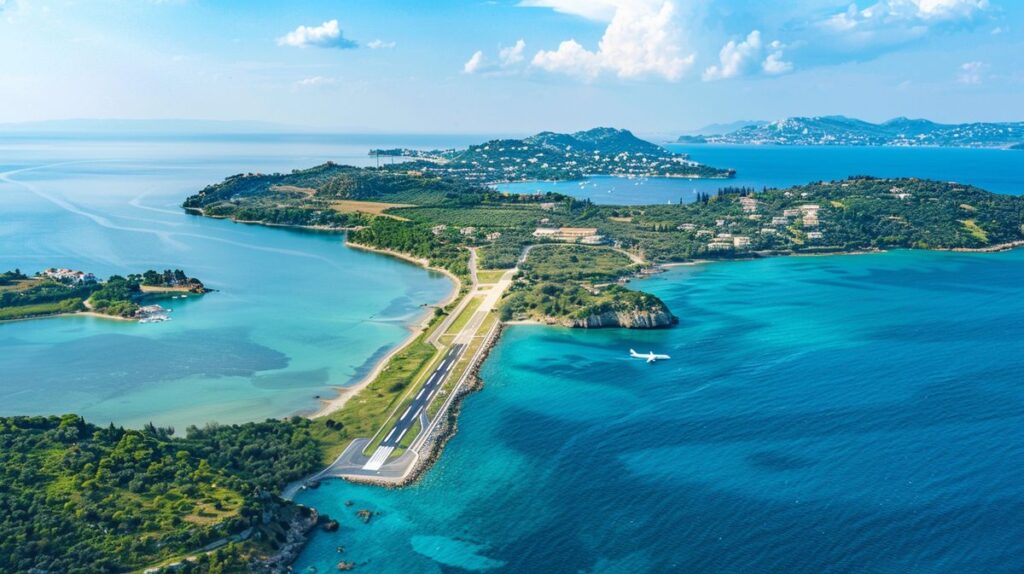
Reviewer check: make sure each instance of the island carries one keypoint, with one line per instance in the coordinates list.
(67, 291)
(554, 156)
(841, 130)
(217, 499)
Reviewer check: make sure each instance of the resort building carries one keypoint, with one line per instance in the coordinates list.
(749, 204)
(587, 235)
(69, 275)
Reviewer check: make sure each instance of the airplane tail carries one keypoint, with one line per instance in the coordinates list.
(633, 353)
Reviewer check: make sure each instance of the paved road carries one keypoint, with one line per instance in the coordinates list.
(405, 422)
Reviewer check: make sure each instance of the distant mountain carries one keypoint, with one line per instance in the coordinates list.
(604, 140)
(841, 130)
(724, 128)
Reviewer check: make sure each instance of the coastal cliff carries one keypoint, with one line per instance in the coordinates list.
(634, 319)
(576, 306)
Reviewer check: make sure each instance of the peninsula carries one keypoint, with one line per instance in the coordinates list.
(555, 156)
(67, 291)
(217, 498)
(841, 130)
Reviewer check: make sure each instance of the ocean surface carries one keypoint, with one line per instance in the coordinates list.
(295, 313)
(819, 414)
(996, 170)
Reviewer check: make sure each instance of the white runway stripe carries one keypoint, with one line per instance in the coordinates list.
(387, 438)
(380, 456)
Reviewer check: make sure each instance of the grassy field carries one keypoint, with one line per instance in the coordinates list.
(487, 276)
(25, 311)
(467, 313)
(370, 207)
(293, 189)
(20, 285)
(972, 227)
(364, 414)
(576, 263)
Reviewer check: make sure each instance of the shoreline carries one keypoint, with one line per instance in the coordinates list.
(323, 228)
(93, 314)
(345, 393)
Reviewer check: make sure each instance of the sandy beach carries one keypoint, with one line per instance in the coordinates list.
(328, 406)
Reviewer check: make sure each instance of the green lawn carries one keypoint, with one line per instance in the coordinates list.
(25, 311)
(487, 276)
(467, 313)
(364, 414)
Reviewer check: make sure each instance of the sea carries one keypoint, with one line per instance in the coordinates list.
(835, 414)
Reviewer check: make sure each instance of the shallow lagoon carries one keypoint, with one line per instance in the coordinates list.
(295, 313)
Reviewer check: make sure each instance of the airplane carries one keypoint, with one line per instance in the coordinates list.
(651, 357)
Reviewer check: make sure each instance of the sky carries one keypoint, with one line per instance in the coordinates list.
(510, 66)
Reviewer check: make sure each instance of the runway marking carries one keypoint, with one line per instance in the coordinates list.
(380, 456)
(399, 439)
(405, 413)
(390, 433)
(421, 393)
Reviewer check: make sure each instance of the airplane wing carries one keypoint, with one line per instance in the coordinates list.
(651, 358)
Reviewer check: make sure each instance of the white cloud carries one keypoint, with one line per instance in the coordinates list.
(512, 55)
(734, 58)
(326, 35)
(738, 58)
(774, 64)
(509, 58)
(942, 9)
(599, 10)
(893, 12)
(640, 40)
(316, 82)
(474, 64)
(379, 44)
(971, 73)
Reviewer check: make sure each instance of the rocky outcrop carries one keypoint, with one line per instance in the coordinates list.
(637, 319)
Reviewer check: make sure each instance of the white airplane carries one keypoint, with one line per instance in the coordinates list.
(650, 356)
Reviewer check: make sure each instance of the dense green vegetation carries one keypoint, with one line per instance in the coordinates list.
(443, 216)
(75, 497)
(553, 156)
(571, 304)
(117, 296)
(560, 263)
(12, 277)
(23, 297)
(416, 240)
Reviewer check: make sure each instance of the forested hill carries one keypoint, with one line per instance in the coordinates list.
(78, 498)
(553, 156)
(841, 130)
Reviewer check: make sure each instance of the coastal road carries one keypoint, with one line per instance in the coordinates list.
(394, 436)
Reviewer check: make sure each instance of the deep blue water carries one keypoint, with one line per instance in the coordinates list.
(819, 414)
(996, 170)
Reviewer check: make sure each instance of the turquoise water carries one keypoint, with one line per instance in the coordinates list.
(1000, 171)
(295, 313)
(819, 414)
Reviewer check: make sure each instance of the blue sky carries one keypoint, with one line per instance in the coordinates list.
(517, 66)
